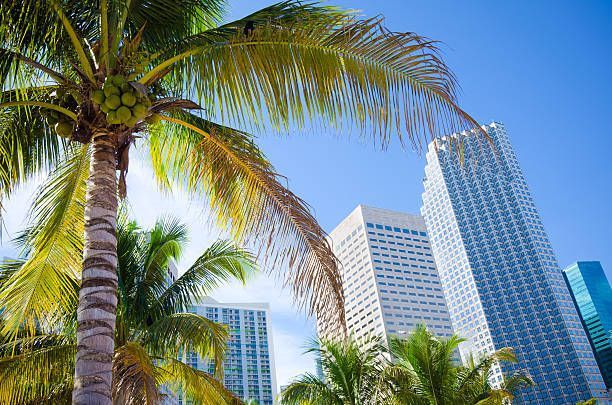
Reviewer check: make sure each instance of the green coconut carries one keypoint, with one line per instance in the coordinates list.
(64, 128)
(111, 118)
(98, 97)
(110, 90)
(123, 114)
(126, 87)
(105, 108)
(139, 110)
(113, 102)
(128, 99)
(118, 80)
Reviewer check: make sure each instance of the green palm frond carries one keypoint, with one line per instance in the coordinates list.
(27, 145)
(50, 33)
(352, 373)
(330, 64)
(220, 263)
(45, 287)
(134, 376)
(428, 361)
(517, 381)
(167, 22)
(165, 246)
(179, 332)
(40, 372)
(308, 389)
(246, 195)
(197, 386)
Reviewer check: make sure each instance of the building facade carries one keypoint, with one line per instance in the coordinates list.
(248, 369)
(389, 276)
(592, 296)
(500, 277)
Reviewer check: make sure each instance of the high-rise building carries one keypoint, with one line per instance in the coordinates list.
(389, 276)
(592, 296)
(501, 280)
(248, 368)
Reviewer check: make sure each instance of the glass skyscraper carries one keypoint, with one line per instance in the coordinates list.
(389, 276)
(501, 280)
(248, 368)
(592, 295)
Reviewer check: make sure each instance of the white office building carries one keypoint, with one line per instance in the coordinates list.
(389, 276)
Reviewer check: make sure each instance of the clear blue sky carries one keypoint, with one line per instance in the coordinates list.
(543, 68)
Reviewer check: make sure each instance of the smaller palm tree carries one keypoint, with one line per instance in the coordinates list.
(352, 374)
(421, 371)
(424, 372)
(153, 327)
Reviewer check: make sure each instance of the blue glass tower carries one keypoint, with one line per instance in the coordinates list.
(592, 295)
(501, 280)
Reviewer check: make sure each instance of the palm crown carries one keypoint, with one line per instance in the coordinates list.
(154, 326)
(82, 81)
(418, 370)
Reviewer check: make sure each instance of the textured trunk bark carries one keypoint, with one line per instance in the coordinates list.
(98, 295)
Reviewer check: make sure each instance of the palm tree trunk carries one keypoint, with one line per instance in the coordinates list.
(98, 295)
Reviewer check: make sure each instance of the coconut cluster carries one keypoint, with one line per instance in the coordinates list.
(121, 103)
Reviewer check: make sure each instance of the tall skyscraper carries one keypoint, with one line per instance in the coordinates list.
(248, 369)
(592, 295)
(501, 280)
(388, 274)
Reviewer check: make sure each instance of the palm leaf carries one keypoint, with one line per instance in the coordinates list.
(246, 195)
(40, 373)
(134, 376)
(180, 332)
(219, 263)
(309, 389)
(27, 145)
(45, 287)
(330, 64)
(199, 387)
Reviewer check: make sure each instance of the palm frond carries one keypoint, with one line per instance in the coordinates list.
(37, 31)
(45, 287)
(134, 376)
(165, 246)
(27, 145)
(221, 262)
(85, 64)
(197, 386)
(309, 389)
(40, 373)
(180, 332)
(331, 64)
(246, 195)
(352, 373)
(9, 58)
(427, 359)
(166, 22)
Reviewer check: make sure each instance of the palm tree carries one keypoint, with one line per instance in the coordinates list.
(424, 372)
(352, 374)
(83, 81)
(419, 370)
(154, 326)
